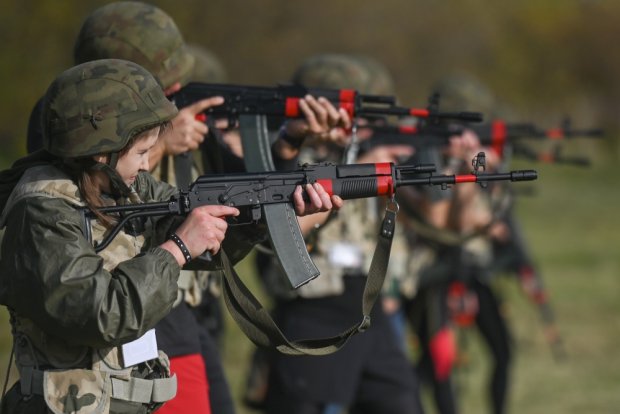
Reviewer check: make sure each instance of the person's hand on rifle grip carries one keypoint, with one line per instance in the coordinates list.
(322, 121)
(203, 230)
(464, 147)
(316, 200)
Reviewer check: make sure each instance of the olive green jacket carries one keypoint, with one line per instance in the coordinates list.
(54, 281)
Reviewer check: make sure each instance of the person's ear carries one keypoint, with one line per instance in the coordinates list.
(175, 87)
(102, 158)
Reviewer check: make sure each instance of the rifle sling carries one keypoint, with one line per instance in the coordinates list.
(256, 322)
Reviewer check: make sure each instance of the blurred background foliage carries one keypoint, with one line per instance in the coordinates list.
(544, 59)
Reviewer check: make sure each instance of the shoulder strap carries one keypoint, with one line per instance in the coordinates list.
(256, 322)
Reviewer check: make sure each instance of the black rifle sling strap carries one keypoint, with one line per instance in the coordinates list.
(256, 322)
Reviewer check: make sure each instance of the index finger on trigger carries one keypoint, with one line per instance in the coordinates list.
(221, 211)
(206, 103)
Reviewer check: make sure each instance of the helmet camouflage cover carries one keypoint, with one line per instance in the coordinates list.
(463, 92)
(335, 71)
(207, 67)
(98, 106)
(138, 32)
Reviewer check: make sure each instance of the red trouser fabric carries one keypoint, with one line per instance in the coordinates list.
(192, 386)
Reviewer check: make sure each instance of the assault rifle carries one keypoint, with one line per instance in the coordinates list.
(282, 101)
(499, 133)
(554, 156)
(270, 194)
(496, 134)
(257, 107)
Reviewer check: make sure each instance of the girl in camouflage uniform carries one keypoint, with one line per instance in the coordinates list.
(101, 120)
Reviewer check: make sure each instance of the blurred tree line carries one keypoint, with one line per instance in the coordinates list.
(544, 58)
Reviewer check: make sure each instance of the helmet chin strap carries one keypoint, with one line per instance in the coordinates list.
(117, 185)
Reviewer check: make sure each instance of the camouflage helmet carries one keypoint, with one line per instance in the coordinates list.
(138, 32)
(463, 92)
(207, 67)
(337, 71)
(98, 106)
(381, 82)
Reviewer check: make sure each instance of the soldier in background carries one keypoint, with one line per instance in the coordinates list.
(454, 288)
(370, 375)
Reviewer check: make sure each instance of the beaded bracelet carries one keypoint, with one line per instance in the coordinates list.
(182, 247)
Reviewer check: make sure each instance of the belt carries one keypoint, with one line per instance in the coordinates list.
(133, 389)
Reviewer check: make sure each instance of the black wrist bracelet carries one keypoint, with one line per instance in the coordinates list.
(292, 141)
(182, 247)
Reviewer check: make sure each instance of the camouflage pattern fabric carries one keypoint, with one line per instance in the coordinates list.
(77, 391)
(191, 282)
(96, 107)
(208, 68)
(381, 80)
(339, 71)
(463, 92)
(138, 32)
(82, 376)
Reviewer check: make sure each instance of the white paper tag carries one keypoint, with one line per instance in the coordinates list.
(346, 255)
(140, 350)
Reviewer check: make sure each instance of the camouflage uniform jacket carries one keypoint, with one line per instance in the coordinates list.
(65, 299)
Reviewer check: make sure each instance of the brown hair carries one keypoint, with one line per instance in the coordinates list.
(83, 173)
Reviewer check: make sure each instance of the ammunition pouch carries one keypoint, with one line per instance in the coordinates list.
(141, 389)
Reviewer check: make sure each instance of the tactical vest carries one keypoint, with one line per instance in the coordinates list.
(80, 379)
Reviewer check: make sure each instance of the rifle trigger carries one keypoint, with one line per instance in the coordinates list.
(256, 213)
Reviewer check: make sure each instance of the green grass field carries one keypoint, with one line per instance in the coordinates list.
(573, 227)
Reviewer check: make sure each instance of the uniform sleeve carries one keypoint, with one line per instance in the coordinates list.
(151, 189)
(51, 274)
